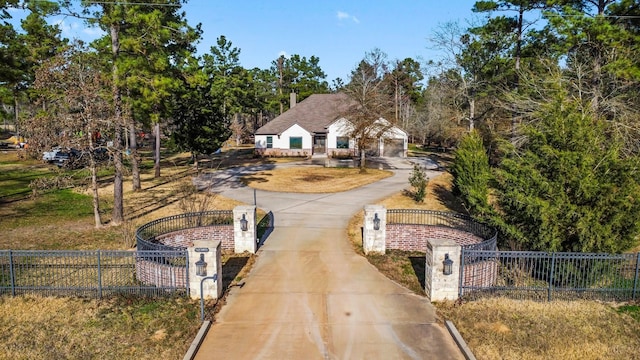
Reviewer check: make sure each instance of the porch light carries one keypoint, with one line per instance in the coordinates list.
(376, 222)
(448, 265)
(201, 266)
(244, 224)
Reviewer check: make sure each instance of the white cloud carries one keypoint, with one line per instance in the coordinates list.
(78, 30)
(341, 15)
(93, 31)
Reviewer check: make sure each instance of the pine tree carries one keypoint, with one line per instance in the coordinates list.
(471, 174)
(570, 187)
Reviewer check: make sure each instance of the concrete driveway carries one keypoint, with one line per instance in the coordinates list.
(310, 296)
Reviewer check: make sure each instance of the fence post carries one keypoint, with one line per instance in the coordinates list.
(12, 274)
(635, 279)
(374, 229)
(440, 283)
(244, 229)
(551, 271)
(99, 277)
(461, 280)
(205, 253)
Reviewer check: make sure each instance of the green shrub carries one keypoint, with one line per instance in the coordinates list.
(419, 182)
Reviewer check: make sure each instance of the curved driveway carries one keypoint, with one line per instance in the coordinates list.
(310, 296)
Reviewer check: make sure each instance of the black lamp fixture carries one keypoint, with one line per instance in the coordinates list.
(244, 223)
(448, 265)
(201, 266)
(376, 222)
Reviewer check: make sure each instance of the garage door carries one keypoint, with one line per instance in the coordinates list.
(394, 148)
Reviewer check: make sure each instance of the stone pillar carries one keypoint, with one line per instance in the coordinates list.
(438, 286)
(245, 240)
(210, 249)
(374, 241)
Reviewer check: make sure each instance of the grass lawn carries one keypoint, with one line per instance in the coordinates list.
(313, 179)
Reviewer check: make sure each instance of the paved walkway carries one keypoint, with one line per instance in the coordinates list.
(309, 296)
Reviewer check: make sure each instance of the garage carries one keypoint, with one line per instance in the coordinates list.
(393, 148)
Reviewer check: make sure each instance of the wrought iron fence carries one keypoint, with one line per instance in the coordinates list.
(448, 219)
(95, 273)
(550, 276)
(265, 227)
(146, 234)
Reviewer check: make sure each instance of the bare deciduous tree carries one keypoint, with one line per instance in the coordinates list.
(370, 102)
(77, 111)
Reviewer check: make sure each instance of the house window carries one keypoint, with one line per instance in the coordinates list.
(342, 142)
(295, 142)
(269, 142)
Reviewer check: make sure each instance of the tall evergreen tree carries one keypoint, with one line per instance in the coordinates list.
(569, 187)
(471, 174)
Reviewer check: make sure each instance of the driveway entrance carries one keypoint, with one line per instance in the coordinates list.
(310, 296)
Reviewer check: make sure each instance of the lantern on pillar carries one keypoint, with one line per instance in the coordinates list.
(376, 222)
(448, 265)
(244, 223)
(201, 266)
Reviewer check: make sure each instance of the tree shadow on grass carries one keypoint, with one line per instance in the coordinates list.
(445, 196)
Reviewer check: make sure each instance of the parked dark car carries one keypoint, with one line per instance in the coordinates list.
(67, 158)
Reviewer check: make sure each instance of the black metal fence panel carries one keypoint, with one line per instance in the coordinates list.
(95, 273)
(549, 276)
(265, 227)
(146, 234)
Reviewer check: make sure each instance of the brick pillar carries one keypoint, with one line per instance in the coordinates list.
(245, 240)
(210, 251)
(374, 241)
(438, 286)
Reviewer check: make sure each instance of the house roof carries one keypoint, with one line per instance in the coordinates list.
(313, 114)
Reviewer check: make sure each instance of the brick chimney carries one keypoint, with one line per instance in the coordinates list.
(292, 100)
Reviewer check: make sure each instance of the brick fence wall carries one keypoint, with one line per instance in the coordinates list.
(158, 274)
(482, 274)
(184, 238)
(408, 237)
(161, 275)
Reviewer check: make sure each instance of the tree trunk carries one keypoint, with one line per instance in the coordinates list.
(156, 166)
(363, 159)
(135, 159)
(94, 190)
(16, 115)
(472, 113)
(517, 67)
(117, 216)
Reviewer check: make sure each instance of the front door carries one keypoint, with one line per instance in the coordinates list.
(320, 144)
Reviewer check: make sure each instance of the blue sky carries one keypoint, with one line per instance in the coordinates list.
(339, 32)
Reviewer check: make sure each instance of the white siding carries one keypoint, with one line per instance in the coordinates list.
(261, 141)
(294, 131)
(340, 127)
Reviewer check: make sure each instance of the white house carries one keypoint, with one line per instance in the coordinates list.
(318, 126)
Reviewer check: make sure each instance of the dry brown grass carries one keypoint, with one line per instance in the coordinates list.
(314, 179)
(438, 197)
(119, 328)
(519, 329)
